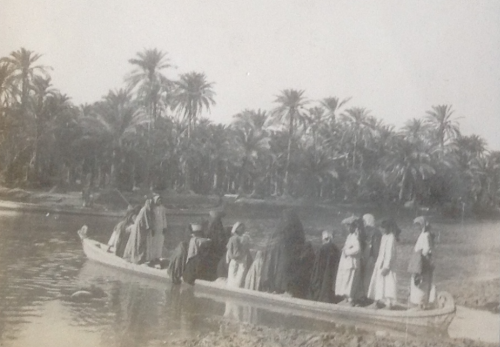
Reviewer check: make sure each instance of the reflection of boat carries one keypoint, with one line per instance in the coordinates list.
(439, 318)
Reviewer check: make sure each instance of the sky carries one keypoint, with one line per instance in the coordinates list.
(395, 58)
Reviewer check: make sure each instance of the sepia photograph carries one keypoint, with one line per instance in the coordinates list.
(301, 173)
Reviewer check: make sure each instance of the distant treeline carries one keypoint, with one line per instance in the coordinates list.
(151, 133)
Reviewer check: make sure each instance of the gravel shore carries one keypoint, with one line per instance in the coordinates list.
(239, 335)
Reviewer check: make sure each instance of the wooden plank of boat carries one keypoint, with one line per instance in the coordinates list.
(439, 318)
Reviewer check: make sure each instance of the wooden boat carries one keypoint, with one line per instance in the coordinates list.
(435, 319)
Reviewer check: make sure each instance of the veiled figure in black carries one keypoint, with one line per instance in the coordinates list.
(324, 273)
(284, 245)
(216, 232)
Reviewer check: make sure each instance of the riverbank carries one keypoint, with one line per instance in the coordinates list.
(235, 334)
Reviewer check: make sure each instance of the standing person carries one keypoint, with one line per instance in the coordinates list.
(252, 279)
(383, 288)
(324, 272)
(237, 256)
(283, 245)
(121, 232)
(178, 259)
(373, 236)
(422, 273)
(136, 248)
(217, 234)
(198, 250)
(159, 228)
(348, 275)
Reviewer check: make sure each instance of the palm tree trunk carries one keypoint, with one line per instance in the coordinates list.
(288, 157)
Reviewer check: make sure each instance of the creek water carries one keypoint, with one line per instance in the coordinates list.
(42, 264)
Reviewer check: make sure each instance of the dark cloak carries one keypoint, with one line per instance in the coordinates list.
(300, 269)
(324, 273)
(283, 245)
(136, 248)
(198, 267)
(178, 262)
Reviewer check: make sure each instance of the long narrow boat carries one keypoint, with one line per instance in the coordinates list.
(436, 319)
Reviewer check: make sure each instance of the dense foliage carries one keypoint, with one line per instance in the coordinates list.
(151, 133)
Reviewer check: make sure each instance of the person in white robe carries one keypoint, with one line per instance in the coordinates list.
(421, 279)
(157, 239)
(237, 256)
(253, 277)
(348, 275)
(383, 283)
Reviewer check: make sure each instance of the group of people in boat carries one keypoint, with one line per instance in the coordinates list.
(362, 273)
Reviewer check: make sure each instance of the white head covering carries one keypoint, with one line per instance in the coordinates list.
(369, 220)
(235, 227)
(196, 228)
(326, 236)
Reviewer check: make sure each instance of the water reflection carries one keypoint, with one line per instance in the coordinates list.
(42, 264)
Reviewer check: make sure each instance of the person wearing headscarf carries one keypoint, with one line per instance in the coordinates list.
(421, 274)
(215, 231)
(121, 232)
(284, 244)
(196, 241)
(136, 248)
(237, 256)
(196, 259)
(253, 277)
(178, 259)
(348, 281)
(157, 239)
(302, 265)
(373, 237)
(383, 284)
(324, 272)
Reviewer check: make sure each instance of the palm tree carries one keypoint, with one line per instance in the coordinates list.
(114, 120)
(149, 80)
(332, 105)
(291, 103)
(407, 165)
(361, 132)
(7, 90)
(445, 128)
(22, 62)
(192, 94)
(251, 140)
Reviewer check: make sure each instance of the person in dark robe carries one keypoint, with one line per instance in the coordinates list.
(198, 252)
(284, 244)
(324, 272)
(301, 266)
(216, 233)
(374, 237)
(136, 248)
(178, 259)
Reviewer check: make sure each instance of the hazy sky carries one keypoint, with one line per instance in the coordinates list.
(395, 58)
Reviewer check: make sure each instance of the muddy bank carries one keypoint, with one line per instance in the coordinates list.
(482, 294)
(239, 335)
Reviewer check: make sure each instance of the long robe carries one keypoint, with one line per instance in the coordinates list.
(324, 273)
(136, 248)
(348, 278)
(253, 277)
(196, 265)
(301, 266)
(157, 238)
(420, 294)
(383, 288)
(177, 262)
(237, 254)
(283, 245)
(373, 246)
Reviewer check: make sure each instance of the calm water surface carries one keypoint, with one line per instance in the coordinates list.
(42, 264)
